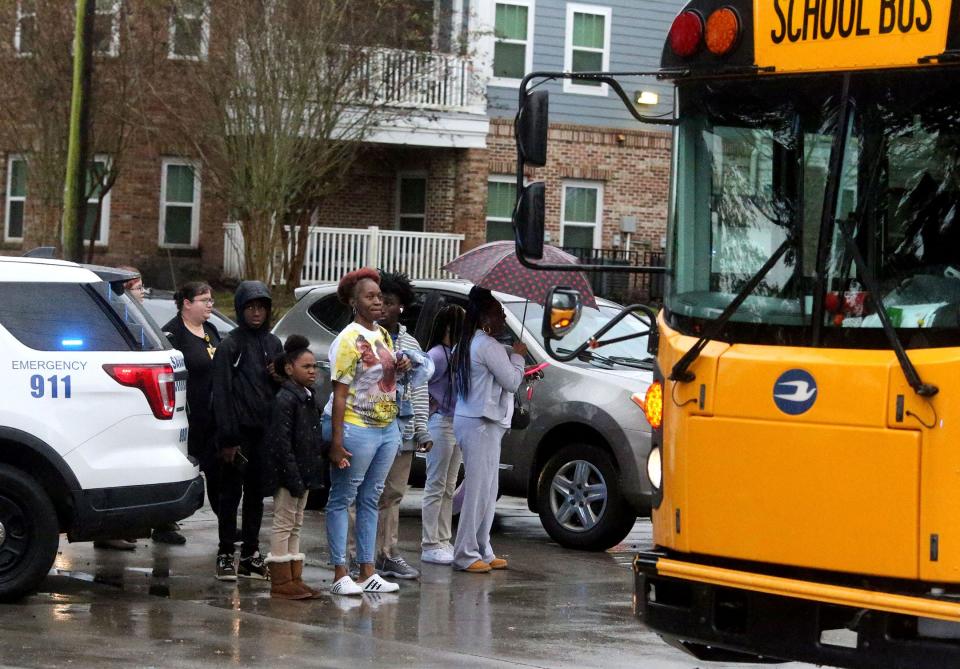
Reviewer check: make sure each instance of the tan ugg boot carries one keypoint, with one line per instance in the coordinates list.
(296, 572)
(282, 585)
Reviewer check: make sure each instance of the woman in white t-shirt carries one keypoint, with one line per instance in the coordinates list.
(360, 423)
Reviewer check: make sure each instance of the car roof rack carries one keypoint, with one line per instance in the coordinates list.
(112, 274)
(47, 252)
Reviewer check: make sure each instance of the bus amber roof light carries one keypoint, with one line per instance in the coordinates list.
(723, 31)
(686, 34)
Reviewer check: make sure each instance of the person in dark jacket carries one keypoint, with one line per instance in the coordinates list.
(191, 333)
(292, 449)
(244, 385)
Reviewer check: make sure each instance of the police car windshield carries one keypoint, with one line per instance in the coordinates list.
(142, 329)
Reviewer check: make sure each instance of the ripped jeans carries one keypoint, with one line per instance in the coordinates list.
(373, 451)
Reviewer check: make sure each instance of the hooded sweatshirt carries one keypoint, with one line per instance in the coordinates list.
(243, 391)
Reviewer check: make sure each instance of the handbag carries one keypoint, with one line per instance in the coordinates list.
(521, 414)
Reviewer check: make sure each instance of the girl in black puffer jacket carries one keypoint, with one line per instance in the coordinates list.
(295, 466)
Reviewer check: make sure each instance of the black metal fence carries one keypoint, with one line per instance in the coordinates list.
(620, 286)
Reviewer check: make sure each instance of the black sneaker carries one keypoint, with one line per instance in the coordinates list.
(225, 568)
(396, 567)
(253, 567)
(168, 535)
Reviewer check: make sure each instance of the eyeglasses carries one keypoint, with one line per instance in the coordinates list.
(207, 300)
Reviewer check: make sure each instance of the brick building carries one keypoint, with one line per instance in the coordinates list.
(449, 168)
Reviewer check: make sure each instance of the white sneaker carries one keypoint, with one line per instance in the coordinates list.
(346, 586)
(375, 584)
(436, 556)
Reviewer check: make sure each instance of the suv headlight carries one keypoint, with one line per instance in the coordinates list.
(655, 467)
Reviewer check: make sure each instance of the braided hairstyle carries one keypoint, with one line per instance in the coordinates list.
(478, 307)
(449, 319)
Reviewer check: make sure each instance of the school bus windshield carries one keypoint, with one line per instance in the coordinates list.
(753, 164)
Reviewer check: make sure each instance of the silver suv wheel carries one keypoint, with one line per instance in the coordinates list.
(578, 496)
(3, 534)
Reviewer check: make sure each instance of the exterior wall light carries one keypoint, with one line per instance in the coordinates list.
(646, 98)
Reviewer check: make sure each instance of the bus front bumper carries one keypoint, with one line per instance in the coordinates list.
(726, 614)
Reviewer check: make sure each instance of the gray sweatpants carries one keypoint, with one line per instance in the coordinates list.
(480, 442)
(443, 467)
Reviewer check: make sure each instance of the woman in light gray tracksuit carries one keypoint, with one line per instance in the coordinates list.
(487, 374)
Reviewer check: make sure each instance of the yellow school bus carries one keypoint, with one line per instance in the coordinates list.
(806, 408)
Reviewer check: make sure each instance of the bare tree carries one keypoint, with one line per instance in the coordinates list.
(37, 66)
(286, 94)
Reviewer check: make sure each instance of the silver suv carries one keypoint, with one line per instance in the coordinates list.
(581, 462)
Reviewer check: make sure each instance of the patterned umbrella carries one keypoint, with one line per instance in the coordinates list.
(495, 266)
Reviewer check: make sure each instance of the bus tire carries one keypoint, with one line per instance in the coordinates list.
(579, 500)
(29, 534)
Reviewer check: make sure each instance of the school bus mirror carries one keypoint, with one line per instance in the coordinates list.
(528, 220)
(532, 123)
(562, 312)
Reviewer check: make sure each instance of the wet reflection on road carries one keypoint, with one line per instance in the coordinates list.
(160, 606)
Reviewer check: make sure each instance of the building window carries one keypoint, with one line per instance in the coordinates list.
(180, 203)
(190, 29)
(582, 213)
(501, 196)
(513, 41)
(412, 201)
(16, 198)
(94, 178)
(587, 46)
(25, 34)
(106, 28)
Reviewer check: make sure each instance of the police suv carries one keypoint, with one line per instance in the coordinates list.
(93, 427)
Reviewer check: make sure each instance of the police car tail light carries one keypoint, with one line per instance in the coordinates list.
(155, 381)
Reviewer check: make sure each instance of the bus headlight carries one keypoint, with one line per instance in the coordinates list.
(655, 467)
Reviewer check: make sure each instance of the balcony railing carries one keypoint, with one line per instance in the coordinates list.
(332, 252)
(623, 288)
(420, 79)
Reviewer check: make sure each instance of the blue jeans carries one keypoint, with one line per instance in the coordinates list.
(373, 451)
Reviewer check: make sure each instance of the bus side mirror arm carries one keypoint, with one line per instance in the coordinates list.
(653, 336)
(531, 126)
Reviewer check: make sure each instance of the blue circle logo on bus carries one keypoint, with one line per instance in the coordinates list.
(795, 392)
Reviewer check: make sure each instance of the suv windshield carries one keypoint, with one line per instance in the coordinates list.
(753, 163)
(591, 320)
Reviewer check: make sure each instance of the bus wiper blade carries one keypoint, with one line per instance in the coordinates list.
(589, 356)
(873, 294)
(646, 363)
(681, 371)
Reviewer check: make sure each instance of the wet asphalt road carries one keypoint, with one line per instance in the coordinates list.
(159, 606)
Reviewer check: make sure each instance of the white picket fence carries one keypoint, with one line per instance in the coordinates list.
(332, 252)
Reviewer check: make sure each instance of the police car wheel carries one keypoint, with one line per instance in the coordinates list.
(29, 533)
(579, 500)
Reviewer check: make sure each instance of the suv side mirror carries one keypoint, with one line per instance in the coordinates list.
(562, 312)
(533, 122)
(528, 220)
